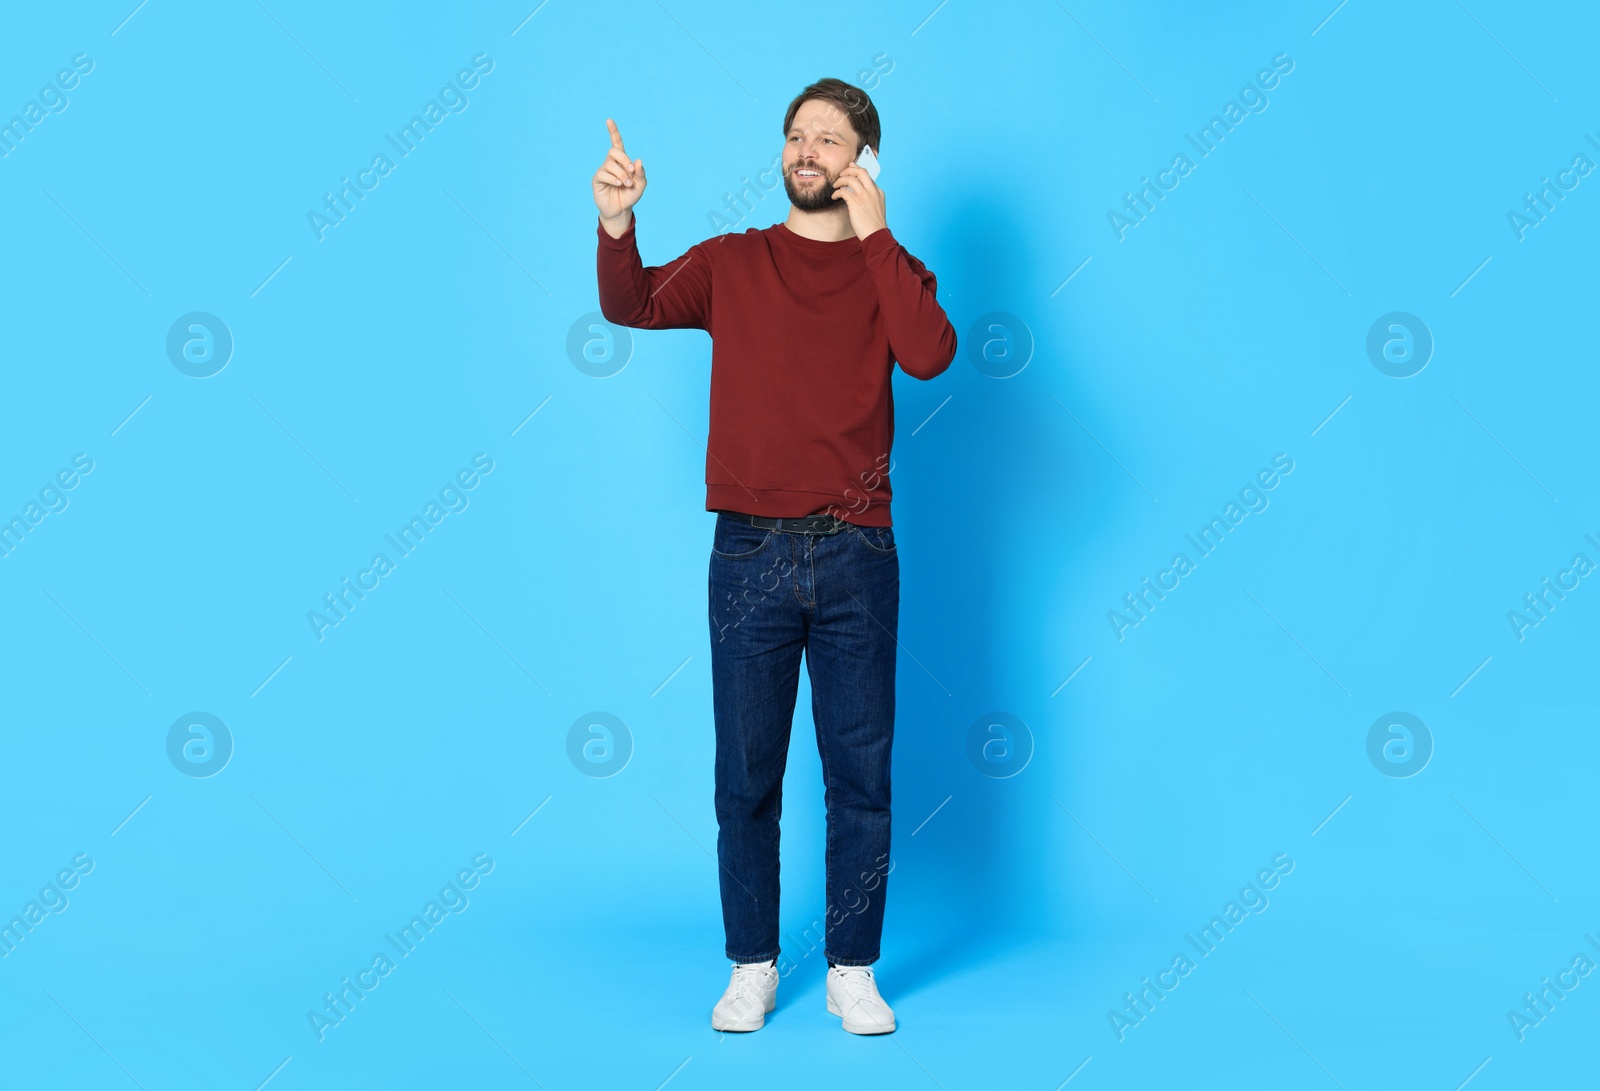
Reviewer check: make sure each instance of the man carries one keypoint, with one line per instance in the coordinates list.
(808, 318)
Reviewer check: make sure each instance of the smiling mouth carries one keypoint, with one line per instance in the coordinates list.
(807, 173)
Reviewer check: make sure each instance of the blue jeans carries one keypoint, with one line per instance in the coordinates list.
(836, 597)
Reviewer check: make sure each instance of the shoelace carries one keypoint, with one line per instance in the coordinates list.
(857, 981)
(748, 981)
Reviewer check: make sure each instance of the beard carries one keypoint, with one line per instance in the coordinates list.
(818, 194)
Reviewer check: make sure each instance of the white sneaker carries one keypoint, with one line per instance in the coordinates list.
(752, 992)
(853, 993)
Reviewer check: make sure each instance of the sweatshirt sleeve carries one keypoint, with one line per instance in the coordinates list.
(920, 335)
(674, 296)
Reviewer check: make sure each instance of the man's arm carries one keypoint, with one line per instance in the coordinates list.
(666, 297)
(659, 297)
(920, 334)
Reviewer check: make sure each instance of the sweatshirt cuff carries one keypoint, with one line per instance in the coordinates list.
(622, 243)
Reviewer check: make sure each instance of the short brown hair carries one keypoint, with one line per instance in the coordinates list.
(852, 100)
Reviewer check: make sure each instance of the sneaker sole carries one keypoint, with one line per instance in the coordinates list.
(859, 1028)
(740, 1027)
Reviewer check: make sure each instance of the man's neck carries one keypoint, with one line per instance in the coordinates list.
(830, 226)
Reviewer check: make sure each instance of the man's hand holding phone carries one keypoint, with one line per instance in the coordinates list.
(861, 195)
(618, 185)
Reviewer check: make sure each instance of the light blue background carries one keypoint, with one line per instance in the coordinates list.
(1227, 727)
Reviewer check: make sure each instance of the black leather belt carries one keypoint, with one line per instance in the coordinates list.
(820, 523)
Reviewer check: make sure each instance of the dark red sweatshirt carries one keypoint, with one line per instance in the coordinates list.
(804, 339)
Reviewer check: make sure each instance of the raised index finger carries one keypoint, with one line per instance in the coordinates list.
(616, 137)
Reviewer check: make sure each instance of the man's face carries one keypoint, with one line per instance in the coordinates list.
(819, 145)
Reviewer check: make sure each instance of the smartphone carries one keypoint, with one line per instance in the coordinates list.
(868, 162)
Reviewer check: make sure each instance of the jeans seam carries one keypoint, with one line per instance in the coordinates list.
(866, 541)
(741, 556)
(777, 847)
(853, 961)
(828, 855)
(797, 546)
(755, 958)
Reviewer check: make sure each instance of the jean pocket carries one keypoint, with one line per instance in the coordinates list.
(877, 539)
(733, 540)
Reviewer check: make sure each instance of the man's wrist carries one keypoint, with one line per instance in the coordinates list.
(617, 226)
